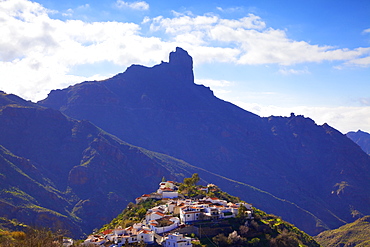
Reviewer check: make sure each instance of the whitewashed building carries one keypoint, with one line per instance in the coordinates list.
(177, 240)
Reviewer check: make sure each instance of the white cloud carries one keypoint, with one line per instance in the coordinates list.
(69, 12)
(138, 5)
(256, 43)
(366, 30)
(363, 61)
(37, 52)
(85, 6)
(286, 71)
(45, 50)
(229, 10)
(365, 101)
(250, 22)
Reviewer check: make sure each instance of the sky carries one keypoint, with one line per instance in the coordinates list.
(311, 58)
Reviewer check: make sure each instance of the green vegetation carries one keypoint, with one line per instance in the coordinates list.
(11, 225)
(188, 187)
(264, 230)
(31, 238)
(132, 214)
(353, 234)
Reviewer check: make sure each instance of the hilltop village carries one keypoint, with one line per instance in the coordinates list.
(174, 215)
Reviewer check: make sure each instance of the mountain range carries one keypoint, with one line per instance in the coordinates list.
(79, 156)
(69, 174)
(361, 138)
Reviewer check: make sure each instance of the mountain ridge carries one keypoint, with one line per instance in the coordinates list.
(66, 189)
(161, 109)
(361, 138)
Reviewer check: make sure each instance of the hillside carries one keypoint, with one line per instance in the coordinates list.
(66, 174)
(361, 138)
(315, 168)
(257, 229)
(353, 234)
(56, 172)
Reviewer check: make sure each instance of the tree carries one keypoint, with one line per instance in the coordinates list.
(241, 211)
(195, 178)
(285, 239)
(244, 230)
(189, 182)
(234, 239)
(221, 240)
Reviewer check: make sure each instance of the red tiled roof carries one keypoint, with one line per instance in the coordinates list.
(107, 231)
(159, 213)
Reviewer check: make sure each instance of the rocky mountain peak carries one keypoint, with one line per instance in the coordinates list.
(180, 57)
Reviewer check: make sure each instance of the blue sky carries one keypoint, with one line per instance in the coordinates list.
(268, 57)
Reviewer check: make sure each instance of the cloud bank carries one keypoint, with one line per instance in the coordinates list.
(38, 53)
(139, 5)
(46, 49)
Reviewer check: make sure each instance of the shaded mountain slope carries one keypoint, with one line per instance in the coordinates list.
(67, 174)
(161, 109)
(29, 197)
(361, 138)
(63, 173)
(353, 234)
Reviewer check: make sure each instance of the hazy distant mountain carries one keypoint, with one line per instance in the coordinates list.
(362, 139)
(161, 109)
(353, 234)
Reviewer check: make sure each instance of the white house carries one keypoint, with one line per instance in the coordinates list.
(171, 206)
(215, 200)
(146, 236)
(166, 185)
(169, 193)
(189, 214)
(67, 242)
(161, 229)
(212, 212)
(142, 198)
(153, 216)
(246, 205)
(95, 240)
(177, 240)
(204, 189)
(168, 190)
